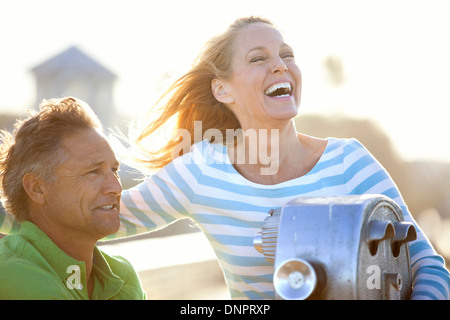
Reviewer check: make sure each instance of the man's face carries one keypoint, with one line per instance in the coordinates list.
(84, 197)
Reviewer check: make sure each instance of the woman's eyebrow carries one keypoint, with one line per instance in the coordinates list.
(283, 45)
(255, 49)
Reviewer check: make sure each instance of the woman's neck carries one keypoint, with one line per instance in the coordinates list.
(272, 156)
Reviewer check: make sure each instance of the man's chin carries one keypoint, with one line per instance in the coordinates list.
(108, 226)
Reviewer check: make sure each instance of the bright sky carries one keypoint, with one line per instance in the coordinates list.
(395, 54)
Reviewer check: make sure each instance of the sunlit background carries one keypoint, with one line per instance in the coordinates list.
(384, 63)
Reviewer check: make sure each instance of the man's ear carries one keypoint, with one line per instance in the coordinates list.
(34, 187)
(220, 91)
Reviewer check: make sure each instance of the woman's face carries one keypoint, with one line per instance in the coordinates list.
(265, 85)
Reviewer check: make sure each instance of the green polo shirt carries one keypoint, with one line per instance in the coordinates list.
(33, 267)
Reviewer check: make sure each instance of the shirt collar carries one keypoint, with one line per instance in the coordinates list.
(106, 283)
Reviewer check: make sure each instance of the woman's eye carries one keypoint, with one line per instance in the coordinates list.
(287, 55)
(257, 59)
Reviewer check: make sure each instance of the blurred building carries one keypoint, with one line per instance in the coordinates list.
(74, 73)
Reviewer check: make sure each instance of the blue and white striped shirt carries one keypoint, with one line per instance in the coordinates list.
(204, 186)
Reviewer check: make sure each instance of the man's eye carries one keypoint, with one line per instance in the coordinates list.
(95, 171)
(115, 171)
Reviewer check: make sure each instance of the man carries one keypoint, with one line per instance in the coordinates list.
(59, 177)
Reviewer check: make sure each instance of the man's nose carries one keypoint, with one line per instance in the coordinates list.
(112, 184)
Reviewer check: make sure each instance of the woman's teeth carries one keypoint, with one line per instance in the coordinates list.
(282, 89)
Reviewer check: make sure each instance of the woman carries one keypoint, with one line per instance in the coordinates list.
(246, 86)
(239, 155)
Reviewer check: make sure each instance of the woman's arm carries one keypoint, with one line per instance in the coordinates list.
(160, 199)
(365, 175)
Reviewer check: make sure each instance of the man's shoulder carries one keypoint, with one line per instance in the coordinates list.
(14, 267)
(23, 279)
(12, 248)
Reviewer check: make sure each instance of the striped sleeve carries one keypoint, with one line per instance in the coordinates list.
(159, 200)
(365, 175)
(8, 224)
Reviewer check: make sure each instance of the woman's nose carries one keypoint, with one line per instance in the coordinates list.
(279, 66)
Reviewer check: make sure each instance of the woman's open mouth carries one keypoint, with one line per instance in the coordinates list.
(281, 89)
